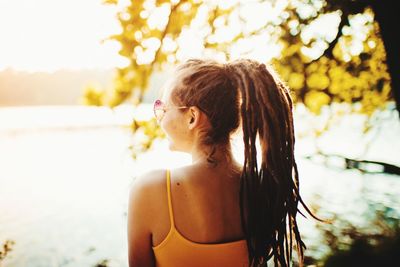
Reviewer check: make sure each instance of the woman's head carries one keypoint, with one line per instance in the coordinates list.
(205, 87)
(222, 96)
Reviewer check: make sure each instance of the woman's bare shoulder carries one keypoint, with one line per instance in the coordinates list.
(148, 184)
(146, 192)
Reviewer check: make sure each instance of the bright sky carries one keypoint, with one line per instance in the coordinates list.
(46, 35)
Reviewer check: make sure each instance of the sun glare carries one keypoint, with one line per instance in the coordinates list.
(46, 35)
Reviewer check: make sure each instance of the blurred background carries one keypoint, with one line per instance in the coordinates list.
(77, 82)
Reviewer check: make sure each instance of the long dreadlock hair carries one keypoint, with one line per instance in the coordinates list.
(250, 93)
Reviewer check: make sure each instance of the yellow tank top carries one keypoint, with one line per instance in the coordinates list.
(177, 251)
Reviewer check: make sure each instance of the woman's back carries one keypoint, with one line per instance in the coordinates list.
(205, 228)
(217, 212)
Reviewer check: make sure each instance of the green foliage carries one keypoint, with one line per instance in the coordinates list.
(363, 253)
(375, 245)
(6, 249)
(343, 63)
(103, 263)
(110, 2)
(145, 132)
(93, 96)
(149, 33)
(344, 75)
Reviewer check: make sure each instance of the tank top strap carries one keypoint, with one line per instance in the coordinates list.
(171, 213)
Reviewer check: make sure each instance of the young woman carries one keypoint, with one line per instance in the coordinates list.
(217, 211)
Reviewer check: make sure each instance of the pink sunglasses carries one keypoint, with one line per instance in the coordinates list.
(159, 109)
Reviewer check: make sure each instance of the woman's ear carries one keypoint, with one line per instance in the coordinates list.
(194, 117)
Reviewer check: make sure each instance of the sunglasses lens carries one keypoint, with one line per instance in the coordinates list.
(158, 103)
(158, 109)
(159, 114)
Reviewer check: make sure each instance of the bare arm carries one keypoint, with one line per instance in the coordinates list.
(140, 214)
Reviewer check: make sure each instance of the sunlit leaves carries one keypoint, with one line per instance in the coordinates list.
(314, 100)
(110, 2)
(352, 73)
(318, 81)
(93, 96)
(326, 51)
(146, 131)
(5, 249)
(148, 38)
(296, 80)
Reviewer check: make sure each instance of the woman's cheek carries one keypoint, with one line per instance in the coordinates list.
(167, 127)
(164, 125)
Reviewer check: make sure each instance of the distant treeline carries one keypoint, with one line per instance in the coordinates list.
(63, 87)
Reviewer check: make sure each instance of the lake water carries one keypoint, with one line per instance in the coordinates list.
(65, 173)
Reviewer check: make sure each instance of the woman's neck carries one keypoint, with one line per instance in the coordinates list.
(222, 155)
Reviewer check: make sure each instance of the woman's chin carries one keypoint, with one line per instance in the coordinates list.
(172, 146)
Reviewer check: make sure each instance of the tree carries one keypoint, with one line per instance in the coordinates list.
(344, 61)
(385, 16)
